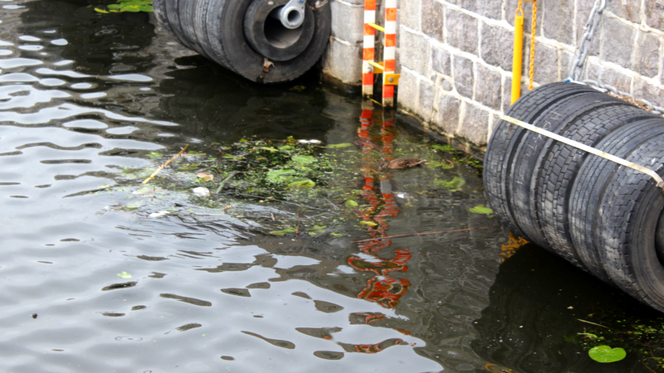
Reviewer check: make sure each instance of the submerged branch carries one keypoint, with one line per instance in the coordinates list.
(165, 164)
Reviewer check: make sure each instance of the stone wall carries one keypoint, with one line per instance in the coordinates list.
(456, 56)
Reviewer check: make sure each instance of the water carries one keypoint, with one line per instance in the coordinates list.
(90, 286)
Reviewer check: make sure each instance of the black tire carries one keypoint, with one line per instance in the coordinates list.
(216, 29)
(592, 181)
(526, 169)
(562, 163)
(499, 152)
(631, 208)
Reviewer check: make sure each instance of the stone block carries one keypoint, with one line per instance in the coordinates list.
(546, 64)
(582, 14)
(343, 61)
(647, 91)
(432, 19)
(648, 55)
(461, 31)
(448, 113)
(441, 61)
(475, 126)
(608, 75)
(408, 91)
(510, 8)
(556, 20)
(497, 46)
(347, 22)
(626, 9)
(425, 100)
(446, 85)
(413, 52)
(487, 8)
(655, 14)
(617, 42)
(488, 87)
(410, 14)
(463, 76)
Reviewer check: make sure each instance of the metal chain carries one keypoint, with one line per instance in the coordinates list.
(659, 110)
(531, 73)
(582, 56)
(586, 40)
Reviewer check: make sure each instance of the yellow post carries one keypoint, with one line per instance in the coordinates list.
(517, 62)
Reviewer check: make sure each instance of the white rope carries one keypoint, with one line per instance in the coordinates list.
(588, 149)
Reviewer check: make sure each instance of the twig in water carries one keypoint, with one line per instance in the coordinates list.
(333, 205)
(419, 234)
(297, 230)
(165, 164)
(273, 219)
(221, 185)
(596, 324)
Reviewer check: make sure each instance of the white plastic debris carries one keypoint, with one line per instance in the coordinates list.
(402, 195)
(309, 141)
(201, 192)
(159, 214)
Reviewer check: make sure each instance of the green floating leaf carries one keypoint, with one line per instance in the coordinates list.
(303, 184)
(155, 155)
(480, 209)
(124, 275)
(351, 204)
(193, 152)
(606, 354)
(304, 159)
(275, 175)
(100, 11)
(286, 147)
(455, 184)
(282, 232)
(338, 146)
(269, 148)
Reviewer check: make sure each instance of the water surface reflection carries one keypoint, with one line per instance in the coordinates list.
(86, 97)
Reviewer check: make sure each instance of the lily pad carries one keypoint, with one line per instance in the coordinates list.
(303, 184)
(304, 159)
(275, 175)
(282, 232)
(480, 209)
(124, 275)
(606, 354)
(155, 155)
(342, 145)
(351, 204)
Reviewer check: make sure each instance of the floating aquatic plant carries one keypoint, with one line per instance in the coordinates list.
(133, 6)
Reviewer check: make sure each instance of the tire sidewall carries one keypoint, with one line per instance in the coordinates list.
(229, 28)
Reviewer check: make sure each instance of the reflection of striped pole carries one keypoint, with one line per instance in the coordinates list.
(389, 51)
(368, 48)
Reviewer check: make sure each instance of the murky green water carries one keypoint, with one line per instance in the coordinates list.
(90, 285)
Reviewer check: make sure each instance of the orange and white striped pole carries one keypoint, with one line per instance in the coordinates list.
(389, 52)
(368, 45)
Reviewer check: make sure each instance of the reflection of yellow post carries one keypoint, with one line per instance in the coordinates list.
(517, 62)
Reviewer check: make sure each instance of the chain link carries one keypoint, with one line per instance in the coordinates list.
(531, 73)
(606, 88)
(582, 55)
(586, 40)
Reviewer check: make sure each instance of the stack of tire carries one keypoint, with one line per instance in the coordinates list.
(246, 37)
(598, 215)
